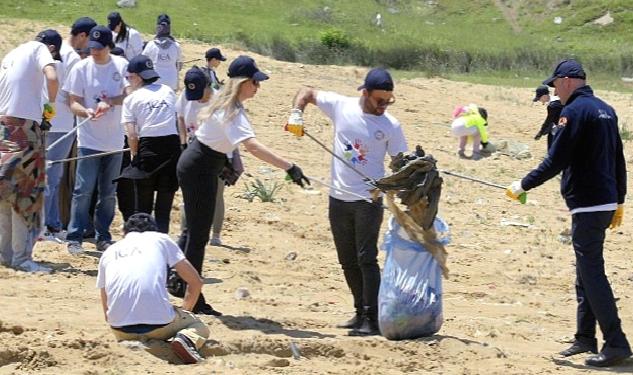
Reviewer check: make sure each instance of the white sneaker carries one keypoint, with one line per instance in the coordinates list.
(53, 237)
(215, 241)
(32, 266)
(74, 248)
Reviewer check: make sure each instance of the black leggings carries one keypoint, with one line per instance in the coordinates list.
(198, 169)
(161, 206)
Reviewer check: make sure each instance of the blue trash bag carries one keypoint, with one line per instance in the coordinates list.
(410, 297)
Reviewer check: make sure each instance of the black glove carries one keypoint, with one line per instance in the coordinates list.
(229, 175)
(296, 175)
(537, 137)
(45, 125)
(484, 144)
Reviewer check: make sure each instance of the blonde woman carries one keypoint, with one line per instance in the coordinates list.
(224, 125)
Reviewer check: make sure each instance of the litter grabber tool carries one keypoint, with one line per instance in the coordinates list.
(70, 132)
(522, 196)
(191, 61)
(370, 181)
(88, 156)
(321, 182)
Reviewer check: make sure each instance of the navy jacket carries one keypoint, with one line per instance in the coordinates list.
(588, 149)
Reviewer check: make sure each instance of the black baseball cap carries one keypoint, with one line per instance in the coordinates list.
(244, 66)
(214, 53)
(140, 222)
(100, 37)
(114, 19)
(51, 37)
(566, 68)
(195, 83)
(377, 79)
(143, 66)
(540, 91)
(82, 25)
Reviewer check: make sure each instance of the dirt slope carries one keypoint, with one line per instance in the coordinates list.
(508, 306)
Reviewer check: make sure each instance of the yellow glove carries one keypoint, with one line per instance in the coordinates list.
(616, 221)
(295, 123)
(49, 111)
(516, 192)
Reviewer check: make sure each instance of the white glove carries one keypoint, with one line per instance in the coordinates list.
(515, 190)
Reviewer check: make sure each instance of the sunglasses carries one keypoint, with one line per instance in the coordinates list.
(384, 102)
(255, 83)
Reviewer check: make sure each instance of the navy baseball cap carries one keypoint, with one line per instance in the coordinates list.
(140, 222)
(214, 53)
(100, 37)
(378, 79)
(82, 25)
(143, 66)
(114, 19)
(244, 66)
(51, 37)
(163, 18)
(117, 51)
(540, 91)
(195, 83)
(566, 68)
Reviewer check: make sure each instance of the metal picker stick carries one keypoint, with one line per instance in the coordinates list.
(347, 164)
(70, 132)
(338, 189)
(88, 156)
(522, 197)
(191, 61)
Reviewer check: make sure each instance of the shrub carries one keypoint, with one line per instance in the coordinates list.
(282, 49)
(335, 39)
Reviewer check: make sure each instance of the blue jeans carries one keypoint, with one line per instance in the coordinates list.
(95, 172)
(54, 174)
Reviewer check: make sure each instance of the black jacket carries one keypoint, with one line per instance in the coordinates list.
(588, 149)
(549, 125)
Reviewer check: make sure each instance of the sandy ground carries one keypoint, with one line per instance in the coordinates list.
(508, 306)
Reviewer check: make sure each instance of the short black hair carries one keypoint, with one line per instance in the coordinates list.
(483, 113)
(140, 222)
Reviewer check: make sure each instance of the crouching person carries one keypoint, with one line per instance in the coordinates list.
(132, 276)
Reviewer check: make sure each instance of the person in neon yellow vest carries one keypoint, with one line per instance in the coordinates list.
(470, 122)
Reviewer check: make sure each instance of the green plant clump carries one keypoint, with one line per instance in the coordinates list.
(264, 191)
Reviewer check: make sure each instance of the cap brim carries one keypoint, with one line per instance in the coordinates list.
(550, 81)
(196, 94)
(260, 76)
(360, 87)
(96, 45)
(536, 98)
(222, 58)
(57, 56)
(112, 26)
(148, 74)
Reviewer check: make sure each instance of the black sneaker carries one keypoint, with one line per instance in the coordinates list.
(185, 349)
(580, 347)
(206, 309)
(103, 245)
(353, 323)
(368, 325)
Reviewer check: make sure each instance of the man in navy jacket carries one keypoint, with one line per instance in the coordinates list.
(588, 149)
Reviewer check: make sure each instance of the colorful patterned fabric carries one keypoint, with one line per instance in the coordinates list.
(22, 168)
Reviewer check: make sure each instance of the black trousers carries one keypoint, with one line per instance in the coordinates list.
(355, 228)
(125, 189)
(593, 292)
(160, 205)
(198, 169)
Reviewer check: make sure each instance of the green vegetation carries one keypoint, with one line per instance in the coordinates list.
(474, 39)
(264, 191)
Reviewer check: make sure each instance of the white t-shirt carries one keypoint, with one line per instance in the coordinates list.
(189, 109)
(165, 61)
(133, 272)
(360, 138)
(22, 80)
(132, 45)
(223, 136)
(64, 118)
(152, 108)
(94, 82)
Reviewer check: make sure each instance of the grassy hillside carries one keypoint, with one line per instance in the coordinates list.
(506, 39)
